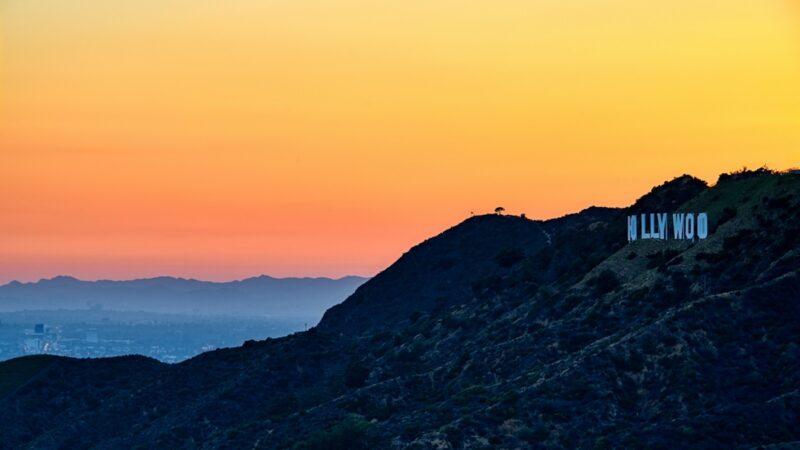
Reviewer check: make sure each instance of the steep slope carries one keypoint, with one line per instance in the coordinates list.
(578, 340)
(437, 273)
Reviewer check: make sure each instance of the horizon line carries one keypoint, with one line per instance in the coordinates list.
(179, 278)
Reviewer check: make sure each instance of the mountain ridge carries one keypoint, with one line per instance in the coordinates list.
(262, 295)
(70, 278)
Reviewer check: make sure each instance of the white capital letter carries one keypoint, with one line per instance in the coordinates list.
(662, 225)
(702, 226)
(677, 226)
(631, 228)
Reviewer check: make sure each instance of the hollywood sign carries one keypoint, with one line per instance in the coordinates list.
(684, 226)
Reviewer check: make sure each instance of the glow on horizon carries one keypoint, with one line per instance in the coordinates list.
(220, 140)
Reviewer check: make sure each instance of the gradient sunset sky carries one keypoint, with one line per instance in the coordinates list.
(225, 139)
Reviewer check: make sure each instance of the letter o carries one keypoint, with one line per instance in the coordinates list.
(702, 226)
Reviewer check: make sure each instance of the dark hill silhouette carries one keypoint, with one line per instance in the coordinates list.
(554, 334)
(437, 273)
(670, 195)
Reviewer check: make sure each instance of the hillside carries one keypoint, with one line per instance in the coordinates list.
(501, 332)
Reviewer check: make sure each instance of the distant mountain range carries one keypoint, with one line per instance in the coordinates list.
(499, 333)
(263, 295)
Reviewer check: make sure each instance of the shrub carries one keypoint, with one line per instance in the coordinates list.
(356, 374)
(280, 406)
(533, 435)
(509, 257)
(779, 202)
(606, 282)
(727, 214)
(351, 433)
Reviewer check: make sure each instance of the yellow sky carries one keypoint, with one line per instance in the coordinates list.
(225, 139)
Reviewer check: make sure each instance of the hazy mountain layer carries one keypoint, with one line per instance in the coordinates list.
(306, 297)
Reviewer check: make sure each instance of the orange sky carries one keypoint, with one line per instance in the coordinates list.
(221, 140)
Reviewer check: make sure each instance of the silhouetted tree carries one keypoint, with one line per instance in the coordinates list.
(499, 210)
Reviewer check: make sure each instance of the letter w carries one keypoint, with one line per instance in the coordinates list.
(677, 226)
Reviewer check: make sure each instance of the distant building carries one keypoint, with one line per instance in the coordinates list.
(33, 346)
(39, 339)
